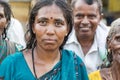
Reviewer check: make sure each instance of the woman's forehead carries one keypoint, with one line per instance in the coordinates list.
(51, 11)
(117, 28)
(50, 8)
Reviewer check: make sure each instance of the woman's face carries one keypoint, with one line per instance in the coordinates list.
(50, 27)
(115, 46)
(3, 20)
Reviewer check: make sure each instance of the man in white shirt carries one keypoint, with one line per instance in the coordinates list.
(88, 38)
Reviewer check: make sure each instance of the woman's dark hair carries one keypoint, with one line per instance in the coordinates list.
(90, 2)
(7, 11)
(67, 13)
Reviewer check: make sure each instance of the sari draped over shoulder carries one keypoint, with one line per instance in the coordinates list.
(69, 68)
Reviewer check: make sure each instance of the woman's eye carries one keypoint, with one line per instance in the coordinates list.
(118, 39)
(58, 24)
(43, 23)
(1, 16)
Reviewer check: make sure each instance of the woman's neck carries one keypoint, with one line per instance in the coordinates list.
(46, 56)
(115, 69)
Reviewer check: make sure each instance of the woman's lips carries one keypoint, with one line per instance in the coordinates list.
(50, 40)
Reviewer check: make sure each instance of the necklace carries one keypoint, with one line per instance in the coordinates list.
(34, 64)
(54, 71)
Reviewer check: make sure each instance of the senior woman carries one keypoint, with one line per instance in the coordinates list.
(50, 24)
(112, 71)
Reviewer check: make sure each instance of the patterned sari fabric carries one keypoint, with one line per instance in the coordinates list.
(70, 67)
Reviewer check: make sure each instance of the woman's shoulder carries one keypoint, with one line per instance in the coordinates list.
(105, 73)
(12, 58)
(16, 55)
(10, 63)
(73, 55)
(68, 53)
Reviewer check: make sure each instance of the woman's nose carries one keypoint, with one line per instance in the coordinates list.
(50, 29)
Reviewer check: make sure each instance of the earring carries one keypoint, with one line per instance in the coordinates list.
(66, 34)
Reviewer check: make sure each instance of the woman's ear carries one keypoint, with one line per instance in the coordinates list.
(66, 34)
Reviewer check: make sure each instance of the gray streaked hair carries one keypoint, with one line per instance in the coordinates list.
(115, 28)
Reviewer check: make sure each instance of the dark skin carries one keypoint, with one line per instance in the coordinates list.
(50, 28)
(86, 19)
(3, 20)
(114, 46)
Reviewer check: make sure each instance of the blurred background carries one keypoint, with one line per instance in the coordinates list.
(21, 9)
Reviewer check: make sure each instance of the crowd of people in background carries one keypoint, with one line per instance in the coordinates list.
(65, 40)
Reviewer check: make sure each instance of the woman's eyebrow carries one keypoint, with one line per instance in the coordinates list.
(43, 18)
(58, 20)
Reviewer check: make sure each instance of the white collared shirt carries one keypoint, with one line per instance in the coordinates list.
(93, 59)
